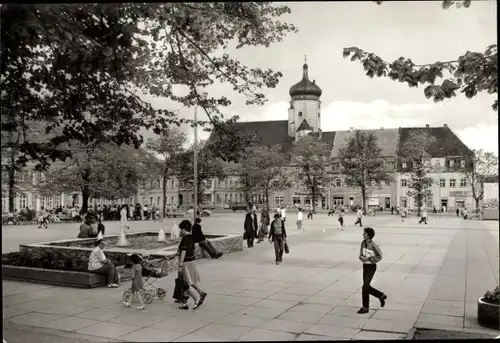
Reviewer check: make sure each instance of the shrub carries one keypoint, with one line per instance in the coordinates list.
(493, 297)
(52, 259)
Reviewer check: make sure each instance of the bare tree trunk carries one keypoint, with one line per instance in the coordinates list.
(477, 205)
(267, 198)
(12, 191)
(363, 199)
(165, 180)
(85, 198)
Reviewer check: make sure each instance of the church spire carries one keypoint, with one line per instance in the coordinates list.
(305, 68)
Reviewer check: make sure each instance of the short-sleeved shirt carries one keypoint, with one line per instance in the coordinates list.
(187, 245)
(300, 216)
(96, 259)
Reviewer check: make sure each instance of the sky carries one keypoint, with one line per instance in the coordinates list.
(420, 30)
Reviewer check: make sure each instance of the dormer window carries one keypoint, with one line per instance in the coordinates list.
(403, 165)
(300, 114)
(462, 164)
(452, 163)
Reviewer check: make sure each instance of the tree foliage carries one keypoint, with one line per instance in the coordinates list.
(209, 167)
(265, 168)
(169, 146)
(480, 167)
(415, 153)
(98, 171)
(81, 67)
(312, 157)
(361, 163)
(470, 74)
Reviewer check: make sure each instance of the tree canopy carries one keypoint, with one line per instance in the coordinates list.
(312, 157)
(469, 74)
(81, 67)
(361, 163)
(481, 166)
(415, 153)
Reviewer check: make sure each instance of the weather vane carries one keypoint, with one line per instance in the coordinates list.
(305, 58)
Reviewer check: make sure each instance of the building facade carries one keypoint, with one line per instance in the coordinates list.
(448, 154)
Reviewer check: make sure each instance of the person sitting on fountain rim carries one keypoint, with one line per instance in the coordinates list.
(199, 237)
(99, 264)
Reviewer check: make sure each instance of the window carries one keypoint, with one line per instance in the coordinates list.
(158, 203)
(173, 183)
(296, 200)
(442, 183)
(452, 183)
(275, 184)
(338, 183)
(279, 200)
(225, 197)
(300, 114)
(172, 200)
(237, 198)
(403, 165)
(463, 183)
(438, 163)
(336, 167)
(404, 183)
(231, 183)
(462, 164)
(22, 201)
(209, 184)
(218, 198)
(150, 200)
(452, 163)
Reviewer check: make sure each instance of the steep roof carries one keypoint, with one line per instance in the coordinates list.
(387, 140)
(304, 126)
(446, 141)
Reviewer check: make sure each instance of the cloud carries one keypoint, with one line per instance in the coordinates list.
(482, 136)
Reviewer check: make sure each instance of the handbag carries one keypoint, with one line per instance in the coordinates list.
(287, 249)
(181, 286)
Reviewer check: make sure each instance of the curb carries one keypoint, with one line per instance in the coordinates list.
(411, 334)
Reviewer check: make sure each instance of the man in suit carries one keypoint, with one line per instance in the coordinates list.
(250, 226)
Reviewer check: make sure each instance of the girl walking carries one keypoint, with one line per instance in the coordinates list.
(187, 267)
(369, 254)
(341, 220)
(137, 288)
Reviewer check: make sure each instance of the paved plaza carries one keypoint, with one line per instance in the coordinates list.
(432, 274)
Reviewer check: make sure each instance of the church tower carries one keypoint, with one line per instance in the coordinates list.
(304, 114)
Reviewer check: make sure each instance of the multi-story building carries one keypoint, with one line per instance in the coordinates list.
(304, 118)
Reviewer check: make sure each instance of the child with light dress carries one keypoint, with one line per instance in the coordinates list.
(137, 288)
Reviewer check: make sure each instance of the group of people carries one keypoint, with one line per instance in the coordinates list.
(274, 230)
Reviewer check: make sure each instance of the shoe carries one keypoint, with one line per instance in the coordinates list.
(383, 298)
(113, 285)
(202, 298)
(184, 306)
(127, 304)
(141, 307)
(363, 310)
(197, 304)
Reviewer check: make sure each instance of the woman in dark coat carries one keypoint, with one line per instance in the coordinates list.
(251, 227)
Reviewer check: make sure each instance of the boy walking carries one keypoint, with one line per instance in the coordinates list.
(359, 218)
(341, 220)
(300, 218)
(370, 255)
(424, 217)
(277, 234)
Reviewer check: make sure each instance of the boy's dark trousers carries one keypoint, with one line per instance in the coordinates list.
(279, 247)
(367, 290)
(310, 215)
(209, 248)
(423, 220)
(250, 242)
(358, 221)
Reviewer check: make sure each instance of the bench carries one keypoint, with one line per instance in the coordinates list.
(175, 215)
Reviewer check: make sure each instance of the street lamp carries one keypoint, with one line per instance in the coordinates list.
(195, 163)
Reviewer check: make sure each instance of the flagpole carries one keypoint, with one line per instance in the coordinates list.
(195, 163)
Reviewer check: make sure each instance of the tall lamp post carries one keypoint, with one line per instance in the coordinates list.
(195, 164)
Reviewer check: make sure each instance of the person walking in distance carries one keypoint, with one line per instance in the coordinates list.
(341, 220)
(277, 234)
(359, 218)
(403, 213)
(370, 254)
(264, 223)
(283, 214)
(250, 227)
(300, 220)
(424, 217)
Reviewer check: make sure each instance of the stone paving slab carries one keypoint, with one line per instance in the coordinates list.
(313, 295)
